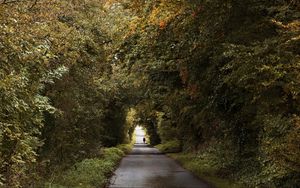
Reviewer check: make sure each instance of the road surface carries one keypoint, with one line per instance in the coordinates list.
(146, 167)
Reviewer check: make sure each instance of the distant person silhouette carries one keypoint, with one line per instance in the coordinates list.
(144, 140)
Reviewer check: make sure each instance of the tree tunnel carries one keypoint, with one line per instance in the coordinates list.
(216, 79)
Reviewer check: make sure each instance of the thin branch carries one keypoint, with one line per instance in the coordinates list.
(32, 6)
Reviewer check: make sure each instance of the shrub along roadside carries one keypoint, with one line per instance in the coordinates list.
(204, 168)
(206, 165)
(172, 146)
(94, 172)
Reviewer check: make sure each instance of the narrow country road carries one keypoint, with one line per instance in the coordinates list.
(146, 167)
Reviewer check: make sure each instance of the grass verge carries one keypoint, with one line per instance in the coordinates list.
(91, 173)
(172, 146)
(203, 170)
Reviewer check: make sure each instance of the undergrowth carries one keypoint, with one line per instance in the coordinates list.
(206, 163)
(172, 146)
(91, 173)
(204, 168)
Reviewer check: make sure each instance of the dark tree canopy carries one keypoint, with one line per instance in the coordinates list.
(220, 79)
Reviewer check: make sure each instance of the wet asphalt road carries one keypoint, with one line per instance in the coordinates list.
(146, 167)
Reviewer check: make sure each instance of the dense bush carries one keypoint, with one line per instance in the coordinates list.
(172, 146)
(58, 101)
(204, 166)
(91, 173)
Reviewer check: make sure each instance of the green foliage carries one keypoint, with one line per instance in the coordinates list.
(204, 168)
(126, 148)
(220, 77)
(58, 103)
(94, 172)
(278, 154)
(223, 75)
(113, 154)
(88, 173)
(166, 128)
(24, 71)
(173, 146)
